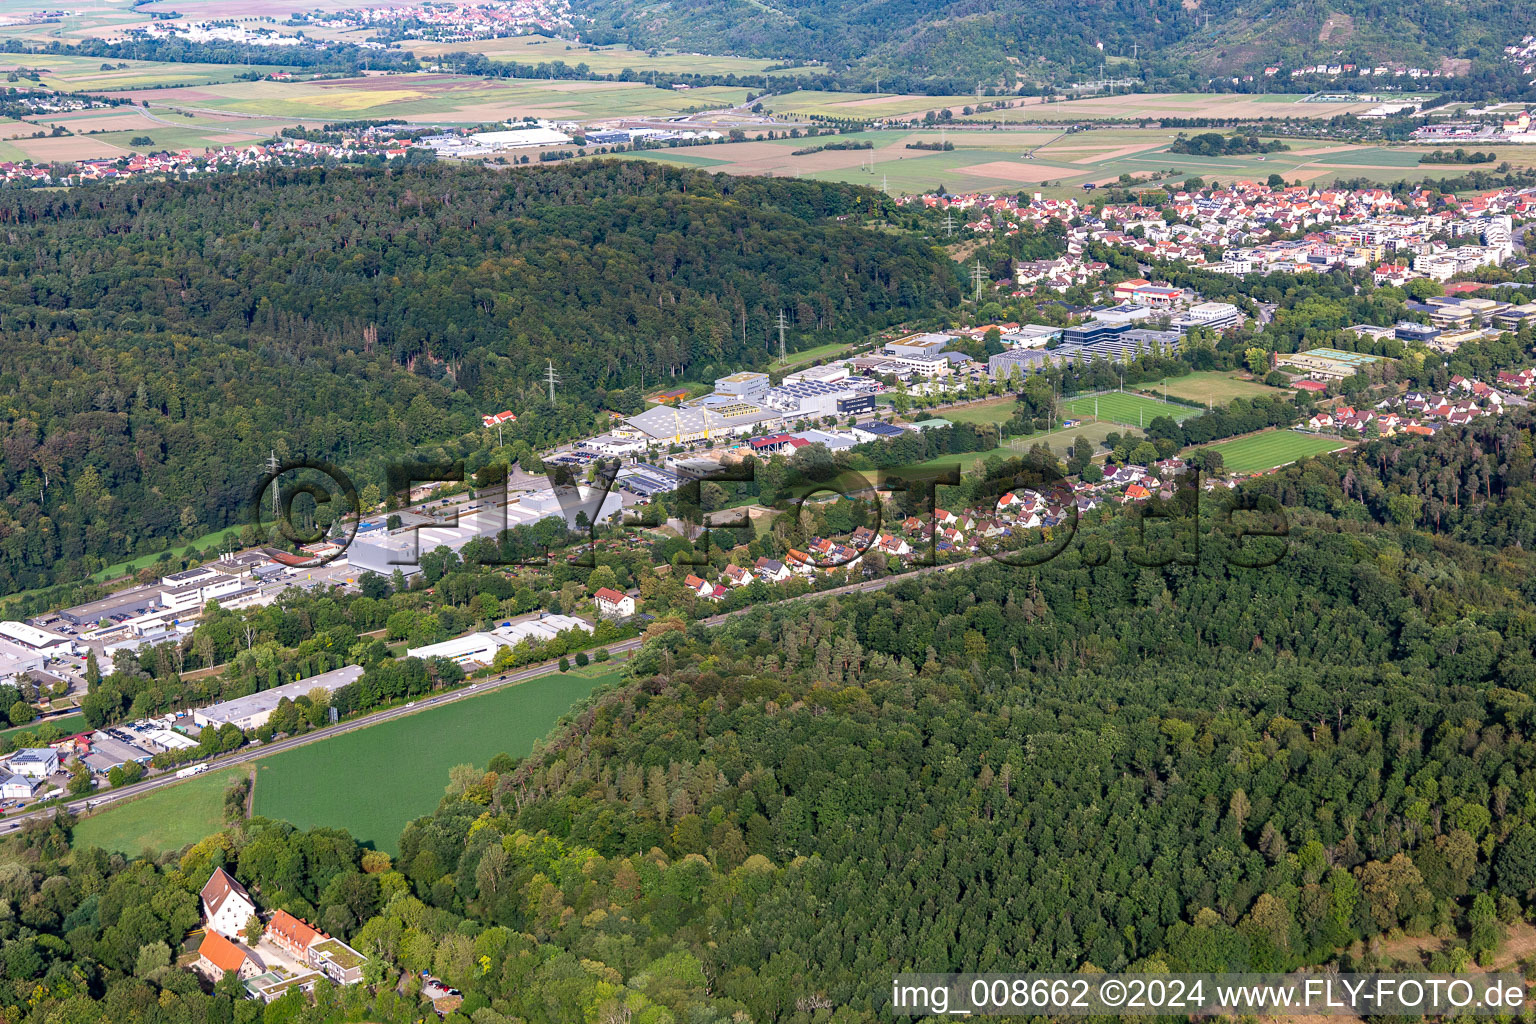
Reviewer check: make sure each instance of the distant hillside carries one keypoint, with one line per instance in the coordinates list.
(1010, 42)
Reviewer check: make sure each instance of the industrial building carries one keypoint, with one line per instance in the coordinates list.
(17, 660)
(34, 639)
(1217, 316)
(919, 346)
(402, 549)
(253, 711)
(34, 762)
(665, 425)
(126, 604)
(744, 386)
(479, 649)
(1327, 363)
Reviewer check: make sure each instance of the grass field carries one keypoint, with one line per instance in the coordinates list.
(1130, 409)
(1272, 449)
(991, 412)
(376, 780)
(68, 724)
(1215, 387)
(810, 355)
(166, 819)
(204, 543)
(1059, 441)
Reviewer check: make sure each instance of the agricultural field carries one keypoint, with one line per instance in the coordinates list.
(602, 60)
(85, 74)
(427, 98)
(1186, 104)
(1213, 387)
(166, 819)
(1019, 160)
(380, 778)
(1272, 449)
(1127, 408)
(870, 105)
(84, 20)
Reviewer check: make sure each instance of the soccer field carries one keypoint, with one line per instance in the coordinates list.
(374, 781)
(1217, 387)
(1129, 409)
(1272, 449)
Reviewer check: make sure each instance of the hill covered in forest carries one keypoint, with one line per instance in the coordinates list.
(961, 42)
(157, 340)
(1095, 764)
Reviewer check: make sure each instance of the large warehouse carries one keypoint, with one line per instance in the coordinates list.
(252, 712)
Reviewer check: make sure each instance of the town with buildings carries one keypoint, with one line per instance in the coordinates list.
(455, 21)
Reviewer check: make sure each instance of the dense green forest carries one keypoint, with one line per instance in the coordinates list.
(157, 340)
(951, 44)
(1195, 767)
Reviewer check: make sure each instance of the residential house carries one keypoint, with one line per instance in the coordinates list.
(218, 956)
(771, 569)
(291, 935)
(738, 576)
(227, 907)
(332, 957)
(613, 605)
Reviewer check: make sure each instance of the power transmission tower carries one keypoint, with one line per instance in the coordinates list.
(552, 378)
(272, 464)
(978, 275)
(885, 183)
(949, 224)
(783, 324)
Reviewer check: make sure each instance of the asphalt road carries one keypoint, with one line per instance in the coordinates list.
(102, 799)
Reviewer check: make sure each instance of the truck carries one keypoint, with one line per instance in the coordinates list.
(191, 770)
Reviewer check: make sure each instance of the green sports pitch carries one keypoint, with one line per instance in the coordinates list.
(1131, 410)
(1272, 449)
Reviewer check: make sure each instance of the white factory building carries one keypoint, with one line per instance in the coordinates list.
(479, 649)
(384, 553)
(253, 711)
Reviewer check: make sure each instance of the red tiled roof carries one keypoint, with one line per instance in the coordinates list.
(222, 953)
(292, 930)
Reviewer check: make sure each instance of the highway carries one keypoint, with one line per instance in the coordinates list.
(101, 799)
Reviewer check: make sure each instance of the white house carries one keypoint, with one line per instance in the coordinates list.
(613, 605)
(771, 569)
(227, 907)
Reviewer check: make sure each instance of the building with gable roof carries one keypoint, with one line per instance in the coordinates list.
(227, 907)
